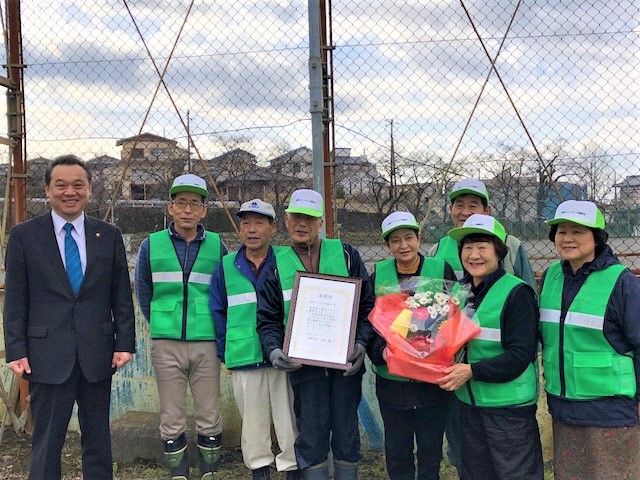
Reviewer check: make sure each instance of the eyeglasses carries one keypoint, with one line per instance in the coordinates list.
(182, 204)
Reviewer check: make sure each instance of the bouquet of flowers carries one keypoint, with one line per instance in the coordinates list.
(424, 327)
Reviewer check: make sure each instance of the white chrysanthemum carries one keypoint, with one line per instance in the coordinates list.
(433, 311)
(422, 299)
(411, 303)
(413, 327)
(443, 309)
(440, 297)
(455, 300)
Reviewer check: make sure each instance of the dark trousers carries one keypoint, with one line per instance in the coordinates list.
(500, 443)
(452, 431)
(51, 407)
(403, 427)
(326, 409)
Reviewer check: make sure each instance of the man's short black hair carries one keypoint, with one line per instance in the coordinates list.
(65, 160)
(501, 248)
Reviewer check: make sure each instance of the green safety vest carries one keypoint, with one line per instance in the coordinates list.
(168, 311)
(386, 279)
(242, 341)
(448, 251)
(332, 262)
(518, 392)
(579, 362)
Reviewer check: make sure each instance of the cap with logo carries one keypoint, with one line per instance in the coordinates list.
(469, 186)
(189, 183)
(397, 220)
(479, 223)
(307, 202)
(257, 206)
(579, 211)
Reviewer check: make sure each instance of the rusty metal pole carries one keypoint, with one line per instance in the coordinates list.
(16, 132)
(15, 114)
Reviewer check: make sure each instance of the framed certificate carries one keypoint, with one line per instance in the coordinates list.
(322, 320)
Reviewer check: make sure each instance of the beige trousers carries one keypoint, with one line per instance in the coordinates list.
(263, 394)
(178, 364)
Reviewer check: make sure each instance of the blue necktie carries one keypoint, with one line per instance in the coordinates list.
(72, 257)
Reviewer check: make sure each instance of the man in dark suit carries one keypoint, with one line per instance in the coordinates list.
(68, 320)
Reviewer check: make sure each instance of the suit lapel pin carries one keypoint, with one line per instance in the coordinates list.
(97, 234)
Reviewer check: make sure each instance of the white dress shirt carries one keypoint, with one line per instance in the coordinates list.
(77, 233)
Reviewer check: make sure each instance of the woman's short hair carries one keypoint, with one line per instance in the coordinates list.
(501, 248)
(386, 238)
(600, 236)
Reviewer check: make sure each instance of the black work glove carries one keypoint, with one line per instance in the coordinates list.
(281, 362)
(356, 359)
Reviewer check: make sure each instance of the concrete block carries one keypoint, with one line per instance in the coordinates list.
(136, 436)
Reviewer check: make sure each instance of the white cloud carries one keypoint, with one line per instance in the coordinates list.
(571, 68)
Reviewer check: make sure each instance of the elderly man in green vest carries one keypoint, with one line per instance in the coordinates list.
(262, 393)
(325, 399)
(173, 274)
(469, 196)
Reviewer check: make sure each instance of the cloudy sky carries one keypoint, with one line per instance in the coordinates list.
(240, 68)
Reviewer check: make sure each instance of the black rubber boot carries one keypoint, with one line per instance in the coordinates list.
(345, 470)
(175, 452)
(293, 475)
(262, 473)
(208, 453)
(317, 472)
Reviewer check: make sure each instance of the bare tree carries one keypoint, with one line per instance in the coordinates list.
(512, 182)
(233, 168)
(593, 169)
(556, 168)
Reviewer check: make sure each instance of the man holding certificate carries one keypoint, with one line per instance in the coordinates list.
(325, 399)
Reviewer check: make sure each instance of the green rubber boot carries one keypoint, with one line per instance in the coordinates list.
(175, 452)
(208, 455)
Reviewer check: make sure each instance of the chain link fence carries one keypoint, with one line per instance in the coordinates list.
(539, 99)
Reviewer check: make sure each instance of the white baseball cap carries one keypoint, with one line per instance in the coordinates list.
(469, 186)
(579, 211)
(479, 223)
(397, 220)
(257, 206)
(189, 183)
(307, 202)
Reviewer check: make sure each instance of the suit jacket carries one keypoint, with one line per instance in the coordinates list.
(45, 322)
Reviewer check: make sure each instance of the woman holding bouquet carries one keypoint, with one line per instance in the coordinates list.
(412, 411)
(590, 326)
(498, 383)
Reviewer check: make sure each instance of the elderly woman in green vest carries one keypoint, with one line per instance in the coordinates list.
(411, 411)
(590, 327)
(497, 383)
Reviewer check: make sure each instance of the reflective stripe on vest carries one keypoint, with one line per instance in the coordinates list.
(518, 392)
(448, 251)
(242, 344)
(579, 362)
(332, 262)
(169, 318)
(386, 281)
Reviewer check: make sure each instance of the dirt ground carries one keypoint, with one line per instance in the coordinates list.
(15, 451)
